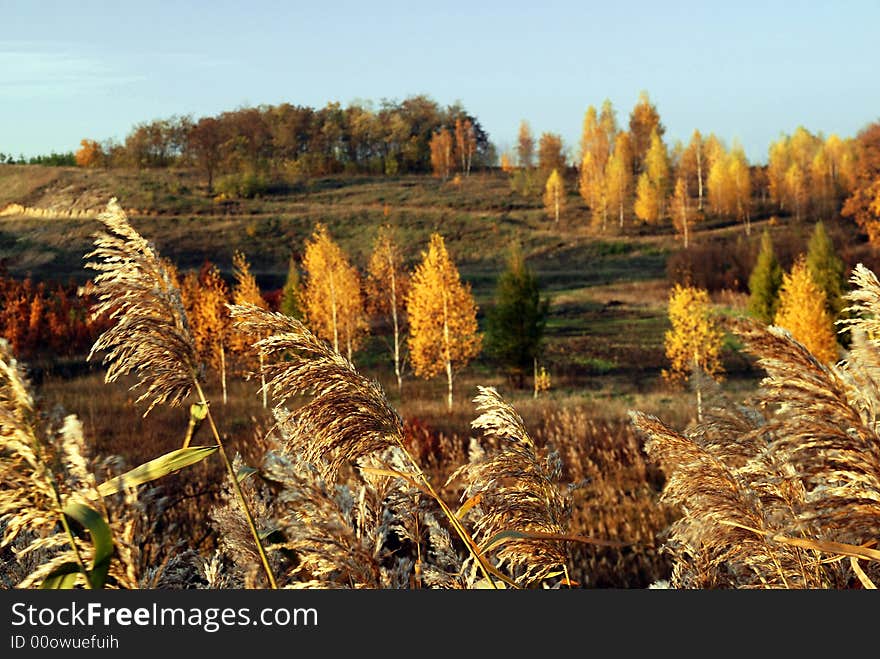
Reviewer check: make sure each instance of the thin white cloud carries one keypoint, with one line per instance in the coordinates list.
(26, 73)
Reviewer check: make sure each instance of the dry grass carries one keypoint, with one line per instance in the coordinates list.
(766, 488)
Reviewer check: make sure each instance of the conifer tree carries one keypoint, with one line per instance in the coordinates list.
(827, 269)
(764, 282)
(442, 313)
(515, 324)
(291, 293)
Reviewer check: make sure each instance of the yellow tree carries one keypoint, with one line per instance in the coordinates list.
(740, 176)
(618, 176)
(205, 296)
(681, 211)
(247, 291)
(596, 138)
(554, 195)
(442, 317)
(778, 162)
(644, 120)
(653, 184)
(692, 168)
(693, 344)
(386, 288)
(331, 295)
(442, 153)
(802, 311)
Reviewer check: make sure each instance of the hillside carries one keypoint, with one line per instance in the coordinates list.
(608, 291)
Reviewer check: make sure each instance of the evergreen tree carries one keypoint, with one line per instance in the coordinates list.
(515, 324)
(290, 294)
(827, 269)
(764, 282)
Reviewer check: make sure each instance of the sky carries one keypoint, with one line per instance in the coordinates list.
(746, 71)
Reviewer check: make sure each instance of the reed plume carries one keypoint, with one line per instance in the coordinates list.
(799, 471)
(151, 335)
(517, 491)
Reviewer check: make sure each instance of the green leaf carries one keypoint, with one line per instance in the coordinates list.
(62, 577)
(161, 466)
(102, 540)
(245, 472)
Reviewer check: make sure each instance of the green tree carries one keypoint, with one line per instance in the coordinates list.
(515, 324)
(827, 269)
(764, 282)
(290, 293)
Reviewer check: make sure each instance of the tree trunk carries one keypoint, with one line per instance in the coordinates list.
(447, 352)
(396, 325)
(263, 382)
(700, 177)
(223, 371)
(333, 312)
(535, 376)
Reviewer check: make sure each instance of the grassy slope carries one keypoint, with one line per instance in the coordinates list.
(608, 291)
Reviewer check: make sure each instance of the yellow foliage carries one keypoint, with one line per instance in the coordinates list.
(695, 337)
(506, 163)
(331, 296)
(651, 188)
(442, 316)
(245, 291)
(554, 195)
(802, 312)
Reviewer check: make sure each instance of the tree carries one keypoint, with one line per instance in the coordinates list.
(692, 168)
(331, 298)
(597, 136)
(554, 195)
(89, 154)
(206, 295)
(618, 176)
(682, 213)
(386, 287)
(247, 291)
(525, 146)
(442, 153)
(550, 154)
(465, 143)
(802, 311)
(653, 184)
(205, 143)
(764, 282)
(644, 120)
(693, 344)
(291, 295)
(442, 315)
(827, 270)
(862, 205)
(515, 324)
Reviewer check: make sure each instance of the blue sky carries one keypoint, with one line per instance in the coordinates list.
(746, 70)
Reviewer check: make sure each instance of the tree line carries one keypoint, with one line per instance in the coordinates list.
(427, 313)
(286, 139)
(626, 175)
